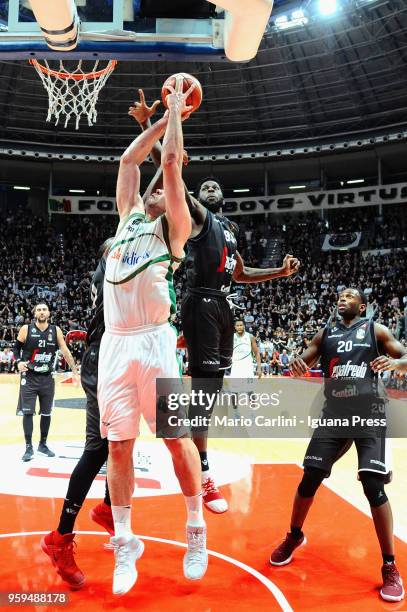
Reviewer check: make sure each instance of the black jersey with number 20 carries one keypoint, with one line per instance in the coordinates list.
(346, 353)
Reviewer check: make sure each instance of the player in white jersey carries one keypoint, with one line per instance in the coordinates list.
(244, 350)
(139, 344)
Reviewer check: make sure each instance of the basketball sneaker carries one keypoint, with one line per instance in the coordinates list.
(212, 497)
(126, 552)
(392, 589)
(284, 552)
(102, 515)
(29, 453)
(196, 557)
(44, 450)
(60, 549)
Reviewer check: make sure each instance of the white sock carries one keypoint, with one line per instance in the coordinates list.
(122, 521)
(194, 510)
(205, 475)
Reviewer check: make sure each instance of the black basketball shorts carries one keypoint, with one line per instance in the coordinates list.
(373, 452)
(207, 325)
(89, 380)
(32, 386)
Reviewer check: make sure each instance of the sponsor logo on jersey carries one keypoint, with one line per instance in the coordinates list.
(361, 333)
(349, 391)
(210, 362)
(134, 258)
(116, 254)
(335, 336)
(42, 358)
(349, 370)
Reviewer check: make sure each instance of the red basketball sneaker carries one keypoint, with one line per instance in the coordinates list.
(59, 548)
(212, 497)
(102, 515)
(284, 552)
(392, 589)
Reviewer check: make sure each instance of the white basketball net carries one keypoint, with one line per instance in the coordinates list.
(73, 93)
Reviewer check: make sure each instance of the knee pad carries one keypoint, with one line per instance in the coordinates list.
(373, 487)
(311, 480)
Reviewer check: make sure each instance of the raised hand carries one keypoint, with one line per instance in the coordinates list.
(177, 98)
(140, 111)
(290, 266)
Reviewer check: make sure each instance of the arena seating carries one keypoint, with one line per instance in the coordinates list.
(53, 261)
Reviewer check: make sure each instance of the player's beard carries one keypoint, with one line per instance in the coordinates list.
(213, 206)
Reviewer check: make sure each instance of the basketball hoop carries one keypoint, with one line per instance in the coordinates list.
(73, 93)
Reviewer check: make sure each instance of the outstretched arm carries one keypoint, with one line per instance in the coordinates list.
(244, 274)
(142, 113)
(396, 357)
(177, 212)
(128, 180)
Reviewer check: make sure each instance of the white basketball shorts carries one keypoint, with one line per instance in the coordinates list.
(130, 361)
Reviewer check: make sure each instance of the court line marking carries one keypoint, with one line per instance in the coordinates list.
(273, 588)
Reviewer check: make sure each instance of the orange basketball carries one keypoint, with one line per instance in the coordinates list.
(194, 99)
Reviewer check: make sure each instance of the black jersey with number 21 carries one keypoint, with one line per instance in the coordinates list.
(40, 348)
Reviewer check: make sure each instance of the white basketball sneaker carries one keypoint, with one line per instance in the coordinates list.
(196, 557)
(126, 552)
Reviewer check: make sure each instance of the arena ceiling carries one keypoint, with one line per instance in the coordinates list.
(316, 83)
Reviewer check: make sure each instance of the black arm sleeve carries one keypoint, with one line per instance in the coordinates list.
(17, 349)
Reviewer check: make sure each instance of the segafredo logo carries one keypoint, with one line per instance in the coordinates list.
(350, 370)
(153, 470)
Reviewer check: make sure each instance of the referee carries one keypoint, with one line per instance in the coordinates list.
(34, 351)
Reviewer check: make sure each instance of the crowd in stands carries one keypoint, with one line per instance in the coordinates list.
(53, 261)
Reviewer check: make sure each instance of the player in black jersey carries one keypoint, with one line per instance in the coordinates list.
(352, 352)
(35, 350)
(212, 262)
(58, 544)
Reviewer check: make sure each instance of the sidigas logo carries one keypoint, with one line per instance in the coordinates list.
(133, 258)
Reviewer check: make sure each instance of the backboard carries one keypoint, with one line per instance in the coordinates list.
(115, 29)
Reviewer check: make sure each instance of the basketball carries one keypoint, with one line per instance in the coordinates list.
(195, 97)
